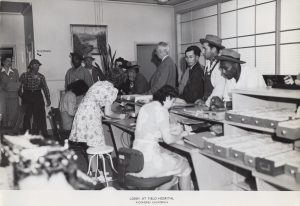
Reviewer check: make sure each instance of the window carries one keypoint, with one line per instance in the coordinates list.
(248, 28)
(251, 28)
(290, 37)
(193, 25)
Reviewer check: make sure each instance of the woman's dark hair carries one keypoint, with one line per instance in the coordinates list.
(164, 92)
(78, 87)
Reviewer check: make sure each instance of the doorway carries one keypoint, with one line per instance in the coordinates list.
(144, 55)
(18, 14)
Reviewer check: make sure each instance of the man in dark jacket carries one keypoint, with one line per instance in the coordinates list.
(192, 82)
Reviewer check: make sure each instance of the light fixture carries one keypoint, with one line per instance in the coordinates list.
(162, 1)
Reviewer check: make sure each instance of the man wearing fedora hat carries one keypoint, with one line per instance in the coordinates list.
(32, 82)
(95, 72)
(236, 75)
(77, 72)
(213, 80)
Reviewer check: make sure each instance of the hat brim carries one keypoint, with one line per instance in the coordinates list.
(224, 58)
(202, 41)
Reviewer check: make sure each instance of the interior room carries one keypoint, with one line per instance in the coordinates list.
(180, 95)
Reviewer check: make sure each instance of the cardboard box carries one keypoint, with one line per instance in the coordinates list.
(211, 144)
(237, 151)
(264, 150)
(289, 129)
(222, 148)
(268, 118)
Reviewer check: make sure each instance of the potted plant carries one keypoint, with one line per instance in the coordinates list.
(113, 74)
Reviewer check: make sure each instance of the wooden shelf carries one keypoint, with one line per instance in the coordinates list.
(264, 129)
(187, 147)
(284, 181)
(195, 117)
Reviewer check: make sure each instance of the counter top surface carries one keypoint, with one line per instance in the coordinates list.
(270, 92)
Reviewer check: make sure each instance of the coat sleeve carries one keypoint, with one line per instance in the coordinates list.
(160, 78)
(141, 84)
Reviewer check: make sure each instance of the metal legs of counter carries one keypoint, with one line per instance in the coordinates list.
(109, 138)
(121, 133)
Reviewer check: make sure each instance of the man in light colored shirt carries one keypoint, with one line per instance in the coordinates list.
(77, 71)
(166, 72)
(95, 72)
(213, 80)
(236, 75)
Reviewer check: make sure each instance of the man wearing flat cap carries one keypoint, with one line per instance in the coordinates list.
(32, 82)
(77, 72)
(95, 72)
(236, 75)
(213, 80)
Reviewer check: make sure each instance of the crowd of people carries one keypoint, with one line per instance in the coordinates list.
(89, 96)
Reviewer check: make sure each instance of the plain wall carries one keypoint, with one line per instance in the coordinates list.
(12, 35)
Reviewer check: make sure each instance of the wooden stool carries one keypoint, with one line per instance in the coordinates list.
(100, 152)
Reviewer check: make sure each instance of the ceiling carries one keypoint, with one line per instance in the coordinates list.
(18, 7)
(170, 2)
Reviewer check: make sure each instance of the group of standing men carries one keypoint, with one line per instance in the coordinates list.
(207, 84)
(29, 87)
(210, 84)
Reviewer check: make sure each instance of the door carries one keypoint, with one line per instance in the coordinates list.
(144, 59)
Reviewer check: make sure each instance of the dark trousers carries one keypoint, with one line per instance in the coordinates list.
(34, 105)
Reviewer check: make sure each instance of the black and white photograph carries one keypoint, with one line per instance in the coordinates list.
(150, 102)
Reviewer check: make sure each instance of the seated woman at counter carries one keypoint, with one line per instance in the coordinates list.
(152, 126)
(87, 127)
(69, 102)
